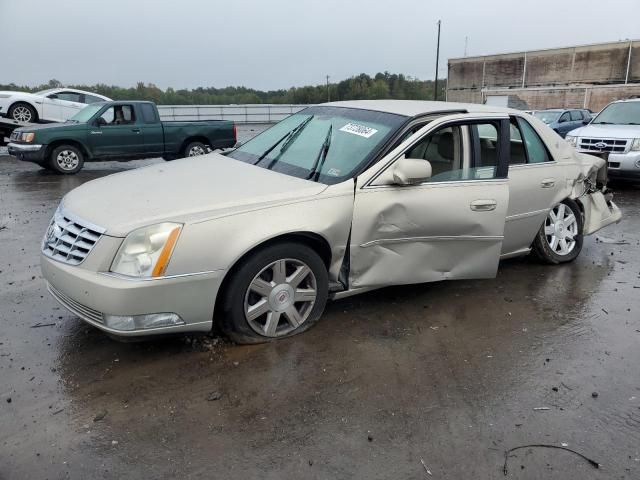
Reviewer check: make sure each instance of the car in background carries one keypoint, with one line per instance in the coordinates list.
(335, 200)
(562, 121)
(122, 130)
(614, 134)
(52, 105)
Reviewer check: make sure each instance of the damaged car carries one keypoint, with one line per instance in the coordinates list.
(338, 199)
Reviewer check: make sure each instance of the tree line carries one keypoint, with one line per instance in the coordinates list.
(360, 87)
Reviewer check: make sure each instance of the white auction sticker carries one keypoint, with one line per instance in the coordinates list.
(361, 130)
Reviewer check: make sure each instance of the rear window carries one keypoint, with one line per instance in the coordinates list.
(576, 115)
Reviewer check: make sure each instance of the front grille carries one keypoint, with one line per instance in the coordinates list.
(69, 239)
(74, 307)
(15, 135)
(612, 145)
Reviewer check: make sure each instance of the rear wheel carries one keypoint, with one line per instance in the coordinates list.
(23, 112)
(193, 149)
(560, 237)
(276, 292)
(66, 159)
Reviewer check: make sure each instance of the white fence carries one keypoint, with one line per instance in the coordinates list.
(258, 113)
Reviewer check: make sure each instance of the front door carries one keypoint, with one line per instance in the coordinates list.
(70, 103)
(118, 135)
(450, 226)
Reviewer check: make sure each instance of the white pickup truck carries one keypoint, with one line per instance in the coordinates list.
(615, 136)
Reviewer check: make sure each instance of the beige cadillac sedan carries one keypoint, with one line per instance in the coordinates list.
(335, 200)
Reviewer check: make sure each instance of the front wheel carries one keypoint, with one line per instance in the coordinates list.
(559, 240)
(277, 292)
(66, 159)
(23, 112)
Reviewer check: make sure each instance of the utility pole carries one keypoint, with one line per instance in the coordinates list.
(435, 93)
(328, 91)
(466, 44)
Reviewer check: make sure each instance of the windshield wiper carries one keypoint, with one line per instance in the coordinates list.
(291, 135)
(602, 123)
(314, 173)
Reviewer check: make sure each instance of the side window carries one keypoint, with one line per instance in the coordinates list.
(564, 118)
(118, 115)
(92, 99)
(535, 148)
(461, 152)
(148, 113)
(576, 115)
(518, 154)
(69, 96)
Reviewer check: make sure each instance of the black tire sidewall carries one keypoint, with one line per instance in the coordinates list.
(232, 318)
(542, 248)
(53, 164)
(34, 114)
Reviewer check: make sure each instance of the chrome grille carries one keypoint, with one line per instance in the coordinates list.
(15, 135)
(69, 239)
(612, 145)
(74, 307)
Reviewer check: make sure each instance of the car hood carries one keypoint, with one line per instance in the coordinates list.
(607, 131)
(187, 190)
(9, 92)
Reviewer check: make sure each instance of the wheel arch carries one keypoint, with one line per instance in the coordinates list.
(56, 143)
(28, 103)
(316, 242)
(195, 138)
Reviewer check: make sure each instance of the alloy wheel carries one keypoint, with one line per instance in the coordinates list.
(67, 160)
(22, 114)
(280, 298)
(560, 229)
(196, 150)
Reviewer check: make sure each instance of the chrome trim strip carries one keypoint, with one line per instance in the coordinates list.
(517, 253)
(120, 276)
(76, 219)
(442, 238)
(525, 215)
(24, 148)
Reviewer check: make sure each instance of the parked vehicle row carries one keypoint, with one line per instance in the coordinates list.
(119, 131)
(335, 200)
(562, 121)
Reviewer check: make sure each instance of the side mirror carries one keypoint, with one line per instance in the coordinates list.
(53, 96)
(411, 171)
(562, 120)
(100, 122)
(586, 122)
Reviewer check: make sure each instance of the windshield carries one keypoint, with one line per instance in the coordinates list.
(86, 113)
(623, 113)
(326, 144)
(548, 116)
(42, 93)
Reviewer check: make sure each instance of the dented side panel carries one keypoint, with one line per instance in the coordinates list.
(426, 232)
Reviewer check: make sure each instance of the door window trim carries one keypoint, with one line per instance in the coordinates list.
(503, 153)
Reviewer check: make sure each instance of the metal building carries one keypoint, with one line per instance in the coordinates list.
(586, 76)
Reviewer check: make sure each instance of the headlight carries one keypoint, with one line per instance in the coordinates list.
(635, 145)
(573, 141)
(146, 252)
(27, 137)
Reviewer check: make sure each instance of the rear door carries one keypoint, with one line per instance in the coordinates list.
(120, 136)
(448, 227)
(152, 131)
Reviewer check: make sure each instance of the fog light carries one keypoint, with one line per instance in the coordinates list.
(638, 163)
(138, 322)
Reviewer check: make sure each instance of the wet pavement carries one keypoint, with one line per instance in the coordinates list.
(442, 377)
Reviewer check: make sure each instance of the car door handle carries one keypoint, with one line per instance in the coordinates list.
(548, 183)
(135, 130)
(483, 205)
(95, 132)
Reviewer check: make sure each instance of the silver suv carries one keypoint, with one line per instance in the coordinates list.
(615, 136)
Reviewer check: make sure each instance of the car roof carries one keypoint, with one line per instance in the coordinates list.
(412, 108)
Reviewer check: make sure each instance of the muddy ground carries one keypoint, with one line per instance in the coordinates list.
(450, 374)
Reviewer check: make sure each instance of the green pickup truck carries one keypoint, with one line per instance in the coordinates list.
(122, 130)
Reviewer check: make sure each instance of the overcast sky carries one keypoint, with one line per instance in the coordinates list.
(269, 44)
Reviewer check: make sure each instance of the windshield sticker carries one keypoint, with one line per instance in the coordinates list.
(360, 130)
(333, 172)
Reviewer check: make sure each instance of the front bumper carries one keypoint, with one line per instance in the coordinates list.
(91, 295)
(620, 165)
(27, 152)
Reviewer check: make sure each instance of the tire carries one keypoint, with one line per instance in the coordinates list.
(548, 244)
(23, 112)
(258, 307)
(66, 159)
(194, 149)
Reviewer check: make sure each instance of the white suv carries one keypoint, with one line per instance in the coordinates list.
(614, 134)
